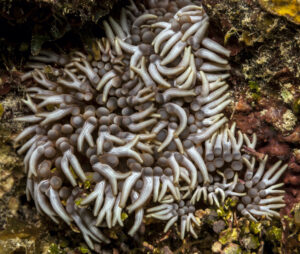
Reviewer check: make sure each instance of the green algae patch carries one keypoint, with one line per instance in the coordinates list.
(55, 249)
(87, 184)
(255, 90)
(232, 249)
(274, 233)
(250, 242)
(124, 216)
(78, 201)
(84, 250)
(255, 227)
(296, 106)
(228, 235)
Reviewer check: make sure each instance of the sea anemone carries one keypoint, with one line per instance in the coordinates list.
(141, 129)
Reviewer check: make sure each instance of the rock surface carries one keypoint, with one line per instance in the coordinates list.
(265, 82)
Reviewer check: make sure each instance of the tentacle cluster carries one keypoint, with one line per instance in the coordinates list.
(140, 128)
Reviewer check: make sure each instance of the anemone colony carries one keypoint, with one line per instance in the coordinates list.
(140, 130)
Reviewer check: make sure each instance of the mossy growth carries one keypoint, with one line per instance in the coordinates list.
(274, 233)
(228, 235)
(243, 235)
(87, 184)
(288, 122)
(84, 249)
(296, 106)
(232, 249)
(296, 211)
(63, 248)
(286, 93)
(250, 242)
(1, 110)
(255, 90)
(255, 227)
(56, 249)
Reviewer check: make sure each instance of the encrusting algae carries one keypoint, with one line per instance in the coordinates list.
(287, 8)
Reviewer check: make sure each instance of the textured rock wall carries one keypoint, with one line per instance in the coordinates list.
(265, 81)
